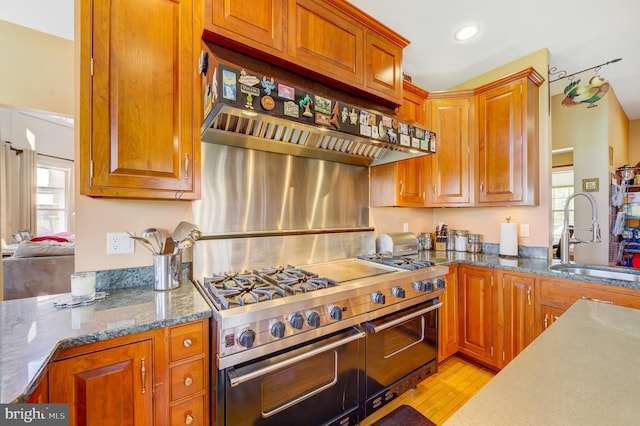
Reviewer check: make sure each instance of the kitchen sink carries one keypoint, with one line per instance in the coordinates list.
(597, 271)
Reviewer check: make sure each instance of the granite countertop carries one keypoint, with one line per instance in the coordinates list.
(534, 266)
(33, 331)
(580, 371)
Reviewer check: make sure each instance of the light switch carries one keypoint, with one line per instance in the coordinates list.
(524, 230)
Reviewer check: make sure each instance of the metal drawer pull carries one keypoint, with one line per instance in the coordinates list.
(401, 187)
(187, 343)
(235, 380)
(608, 302)
(188, 381)
(186, 166)
(188, 420)
(143, 373)
(529, 296)
(379, 328)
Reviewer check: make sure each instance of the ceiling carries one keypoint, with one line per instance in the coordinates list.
(579, 35)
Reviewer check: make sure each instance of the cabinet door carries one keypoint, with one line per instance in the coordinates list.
(383, 67)
(260, 25)
(451, 168)
(477, 314)
(518, 314)
(109, 387)
(138, 126)
(323, 40)
(410, 178)
(448, 317)
(549, 315)
(507, 116)
(414, 104)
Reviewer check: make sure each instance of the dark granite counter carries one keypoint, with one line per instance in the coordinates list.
(521, 264)
(33, 331)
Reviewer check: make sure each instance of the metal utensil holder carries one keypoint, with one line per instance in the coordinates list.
(167, 271)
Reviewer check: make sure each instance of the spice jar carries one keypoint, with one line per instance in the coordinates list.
(451, 240)
(474, 245)
(461, 240)
(427, 242)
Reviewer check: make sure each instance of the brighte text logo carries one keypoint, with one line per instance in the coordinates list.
(36, 414)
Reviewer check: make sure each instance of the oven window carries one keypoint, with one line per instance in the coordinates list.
(402, 336)
(298, 382)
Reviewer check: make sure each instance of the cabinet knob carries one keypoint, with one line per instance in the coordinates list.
(188, 420)
(188, 381)
(187, 343)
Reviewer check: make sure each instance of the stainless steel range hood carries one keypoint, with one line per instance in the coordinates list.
(239, 115)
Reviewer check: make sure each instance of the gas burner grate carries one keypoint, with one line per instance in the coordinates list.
(402, 262)
(241, 289)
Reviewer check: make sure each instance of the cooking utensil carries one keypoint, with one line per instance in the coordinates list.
(146, 243)
(153, 233)
(182, 231)
(196, 233)
(169, 246)
(183, 244)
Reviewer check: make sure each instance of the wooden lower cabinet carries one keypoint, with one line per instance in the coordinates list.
(478, 313)
(107, 387)
(156, 377)
(448, 317)
(549, 315)
(517, 314)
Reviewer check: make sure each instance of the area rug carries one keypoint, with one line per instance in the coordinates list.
(404, 415)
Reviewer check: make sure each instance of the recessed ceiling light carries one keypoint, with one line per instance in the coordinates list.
(465, 33)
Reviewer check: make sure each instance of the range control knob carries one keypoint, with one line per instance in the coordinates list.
(335, 312)
(430, 286)
(398, 292)
(313, 319)
(440, 283)
(378, 297)
(296, 320)
(277, 329)
(246, 338)
(420, 285)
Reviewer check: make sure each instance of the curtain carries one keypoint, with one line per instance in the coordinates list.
(18, 191)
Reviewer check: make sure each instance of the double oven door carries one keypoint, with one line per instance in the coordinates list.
(401, 350)
(316, 383)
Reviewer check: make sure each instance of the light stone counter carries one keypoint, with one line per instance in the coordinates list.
(580, 371)
(33, 331)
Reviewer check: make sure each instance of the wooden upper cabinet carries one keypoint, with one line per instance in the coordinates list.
(138, 121)
(324, 40)
(450, 117)
(383, 66)
(261, 24)
(414, 104)
(507, 114)
(332, 41)
(399, 184)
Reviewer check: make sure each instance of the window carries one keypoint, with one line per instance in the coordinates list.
(561, 189)
(55, 200)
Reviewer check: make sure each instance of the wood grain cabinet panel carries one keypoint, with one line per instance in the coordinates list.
(108, 387)
(414, 104)
(477, 314)
(383, 66)
(138, 120)
(507, 115)
(261, 24)
(401, 183)
(448, 317)
(321, 39)
(518, 314)
(450, 117)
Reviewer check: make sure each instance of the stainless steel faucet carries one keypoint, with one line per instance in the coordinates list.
(566, 239)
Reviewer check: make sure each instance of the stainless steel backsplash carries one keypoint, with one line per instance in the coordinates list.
(262, 209)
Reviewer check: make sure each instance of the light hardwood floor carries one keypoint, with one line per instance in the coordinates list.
(440, 395)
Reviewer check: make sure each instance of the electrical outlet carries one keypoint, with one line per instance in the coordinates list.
(119, 243)
(524, 230)
(405, 227)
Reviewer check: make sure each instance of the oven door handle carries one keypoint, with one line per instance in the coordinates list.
(378, 328)
(236, 380)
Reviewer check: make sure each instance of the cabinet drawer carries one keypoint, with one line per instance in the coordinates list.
(187, 379)
(186, 340)
(567, 294)
(190, 412)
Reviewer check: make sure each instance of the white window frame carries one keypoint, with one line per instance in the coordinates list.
(67, 166)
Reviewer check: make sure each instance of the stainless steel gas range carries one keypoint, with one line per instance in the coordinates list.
(330, 341)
